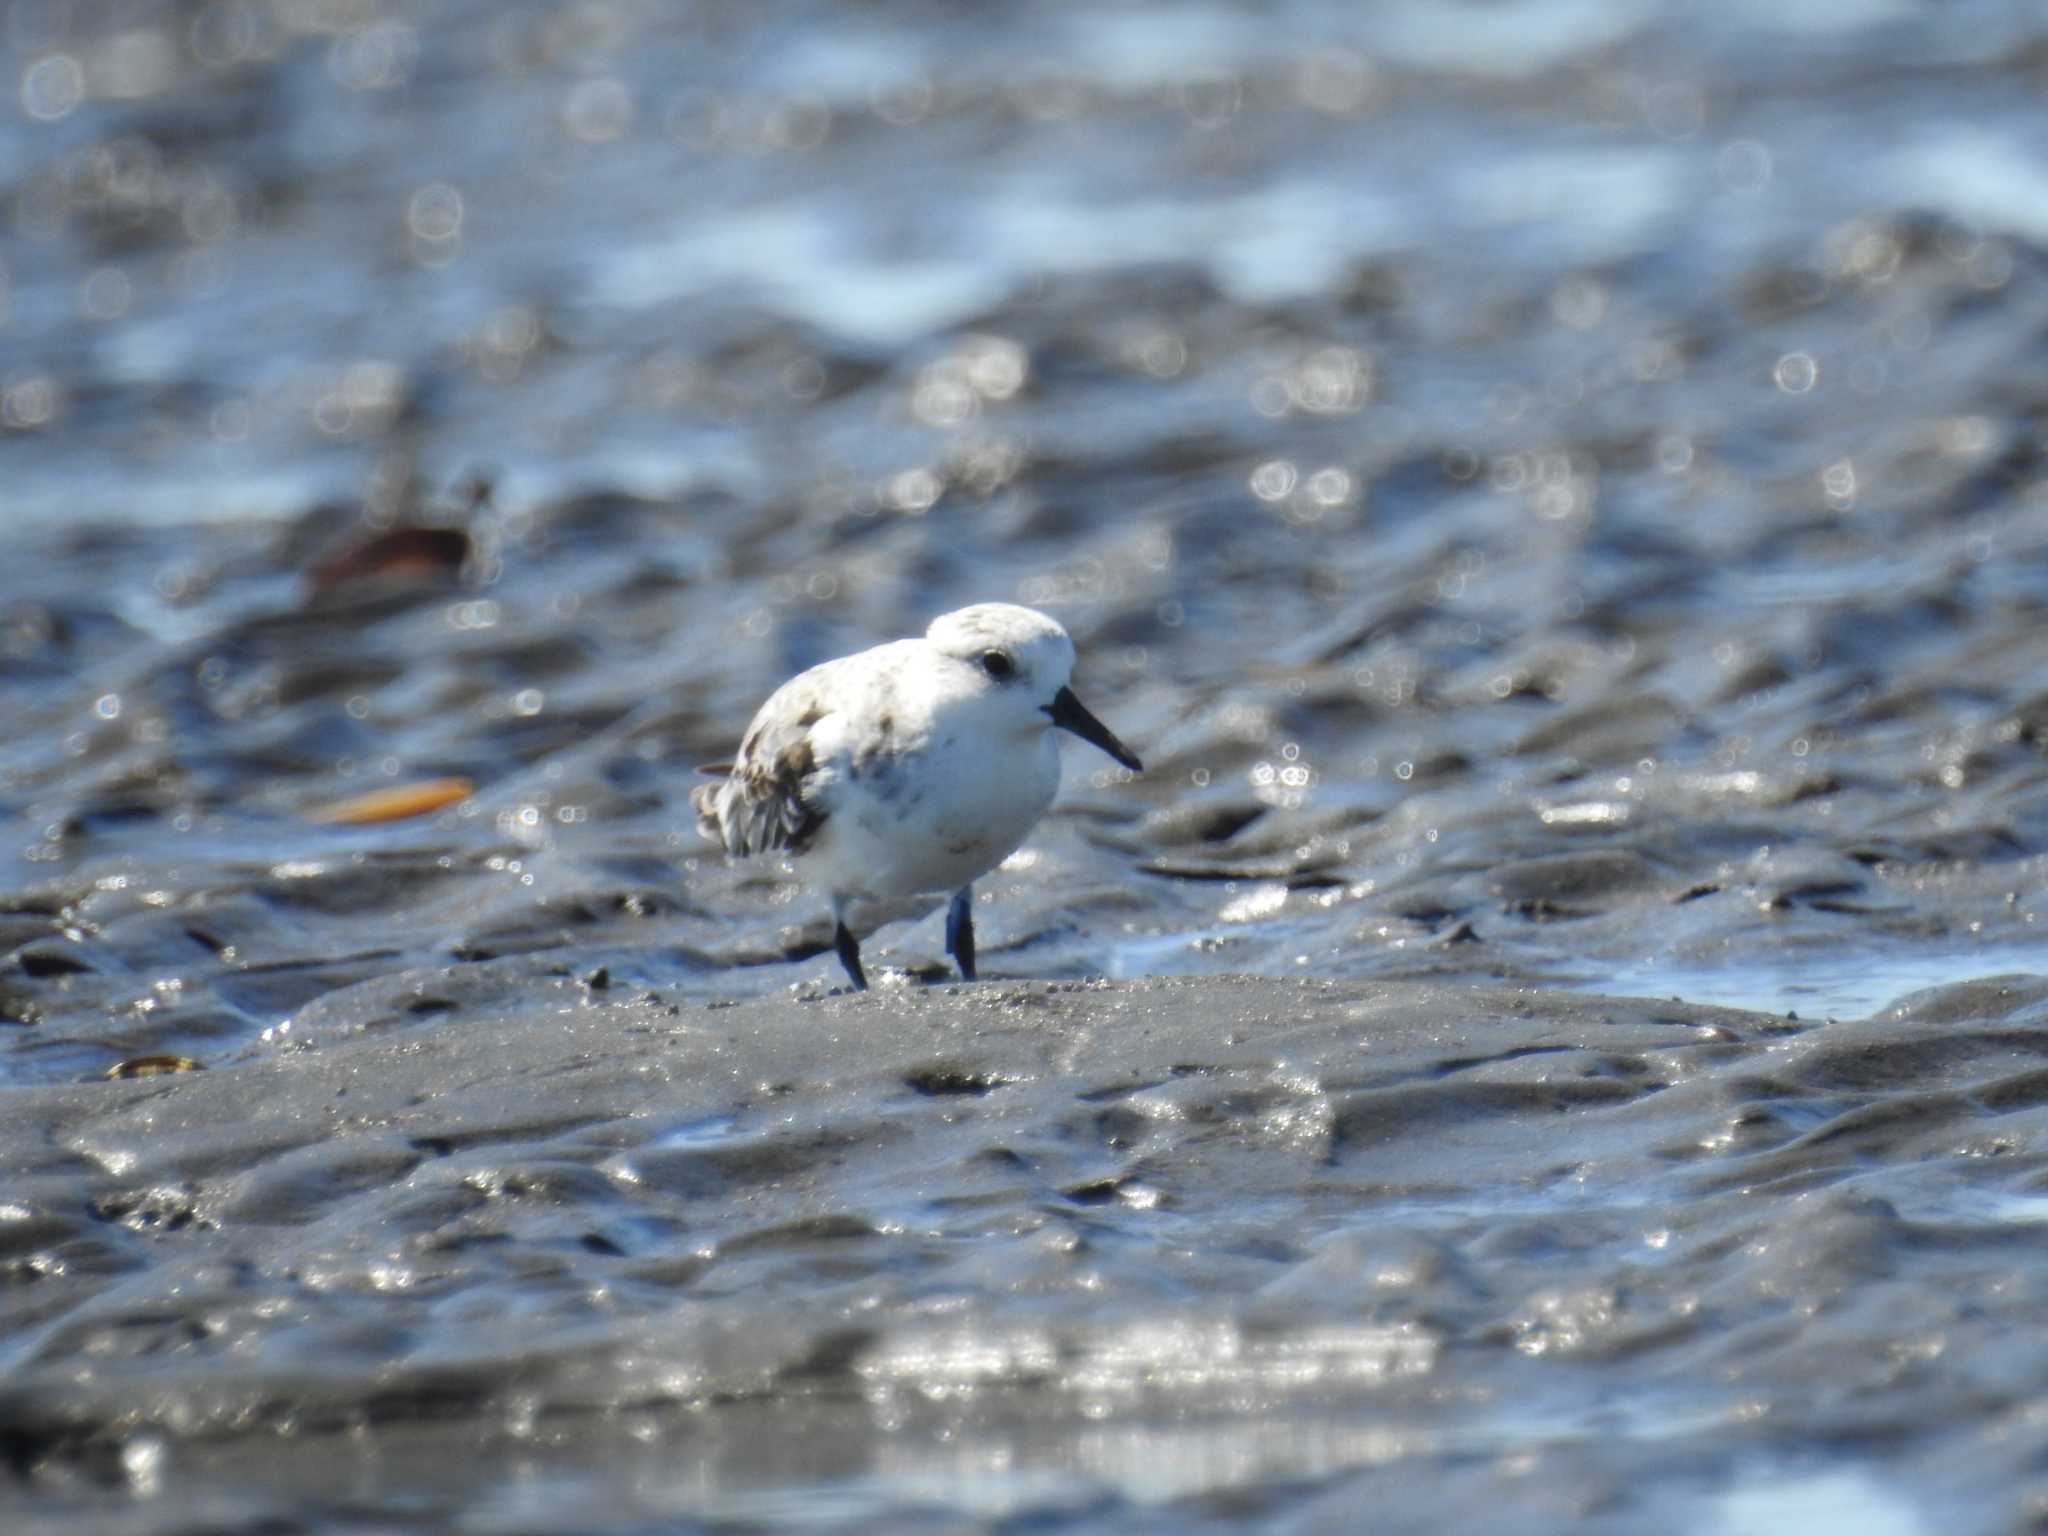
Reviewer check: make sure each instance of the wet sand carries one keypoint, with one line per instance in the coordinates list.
(1149, 1255)
(1554, 494)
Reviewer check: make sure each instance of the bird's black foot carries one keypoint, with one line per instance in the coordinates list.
(849, 955)
(960, 930)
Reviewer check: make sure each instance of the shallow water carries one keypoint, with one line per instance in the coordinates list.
(1552, 490)
(1848, 988)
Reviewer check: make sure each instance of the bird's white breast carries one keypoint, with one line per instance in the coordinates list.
(929, 788)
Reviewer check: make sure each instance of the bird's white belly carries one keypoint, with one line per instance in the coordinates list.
(933, 822)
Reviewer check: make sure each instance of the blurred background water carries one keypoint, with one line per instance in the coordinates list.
(1553, 489)
(652, 248)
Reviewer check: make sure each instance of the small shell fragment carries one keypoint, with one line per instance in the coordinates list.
(153, 1066)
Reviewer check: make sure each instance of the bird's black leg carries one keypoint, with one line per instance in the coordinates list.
(960, 930)
(849, 953)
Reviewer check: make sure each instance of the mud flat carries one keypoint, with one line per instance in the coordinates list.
(502, 1250)
(1556, 498)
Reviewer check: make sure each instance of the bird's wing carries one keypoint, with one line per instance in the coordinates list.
(773, 798)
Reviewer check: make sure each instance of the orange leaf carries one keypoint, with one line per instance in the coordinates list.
(396, 803)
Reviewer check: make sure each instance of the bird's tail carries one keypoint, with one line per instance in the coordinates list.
(708, 800)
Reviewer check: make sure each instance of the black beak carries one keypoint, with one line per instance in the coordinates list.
(1070, 714)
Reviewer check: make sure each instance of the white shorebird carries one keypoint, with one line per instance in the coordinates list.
(914, 767)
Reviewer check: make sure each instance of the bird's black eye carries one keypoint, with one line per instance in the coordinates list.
(996, 664)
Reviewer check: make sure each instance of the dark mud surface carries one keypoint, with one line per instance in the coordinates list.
(1170, 1255)
(1555, 493)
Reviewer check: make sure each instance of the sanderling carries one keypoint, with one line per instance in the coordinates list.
(914, 767)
